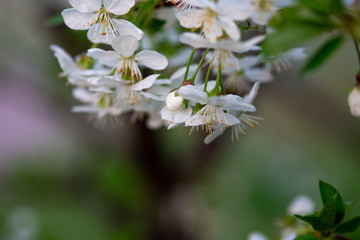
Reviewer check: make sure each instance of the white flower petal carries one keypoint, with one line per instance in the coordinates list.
(248, 61)
(212, 30)
(145, 83)
(212, 136)
(118, 7)
(195, 40)
(66, 62)
(230, 28)
(127, 28)
(258, 74)
(191, 19)
(151, 59)
(177, 117)
(125, 45)
(77, 20)
(235, 9)
(249, 98)
(108, 58)
(86, 5)
(193, 93)
(249, 44)
(231, 102)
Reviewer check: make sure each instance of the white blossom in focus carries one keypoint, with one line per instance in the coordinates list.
(124, 60)
(212, 115)
(97, 17)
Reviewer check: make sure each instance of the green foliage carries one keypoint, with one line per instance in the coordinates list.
(349, 226)
(307, 237)
(323, 54)
(327, 192)
(304, 21)
(330, 219)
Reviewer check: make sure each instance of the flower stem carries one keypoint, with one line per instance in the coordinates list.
(189, 63)
(357, 48)
(198, 68)
(219, 80)
(208, 74)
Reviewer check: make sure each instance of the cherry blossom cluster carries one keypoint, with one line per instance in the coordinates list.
(126, 79)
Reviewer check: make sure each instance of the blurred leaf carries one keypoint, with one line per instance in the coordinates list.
(349, 203)
(54, 21)
(320, 57)
(327, 192)
(349, 226)
(289, 37)
(307, 237)
(324, 6)
(156, 25)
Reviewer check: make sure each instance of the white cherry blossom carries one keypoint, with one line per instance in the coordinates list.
(75, 70)
(97, 17)
(214, 19)
(212, 116)
(224, 49)
(124, 60)
(245, 120)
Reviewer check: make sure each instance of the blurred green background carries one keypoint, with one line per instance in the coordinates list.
(63, 179)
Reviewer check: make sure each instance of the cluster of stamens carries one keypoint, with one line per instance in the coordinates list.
(182, 5)
(213, 117)
(104, 25)
(129, 70)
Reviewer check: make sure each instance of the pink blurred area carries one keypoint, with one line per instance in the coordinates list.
(27, 122)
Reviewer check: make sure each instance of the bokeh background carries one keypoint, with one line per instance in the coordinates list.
(63, 179)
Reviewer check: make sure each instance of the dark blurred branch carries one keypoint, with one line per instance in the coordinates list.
(341, 237)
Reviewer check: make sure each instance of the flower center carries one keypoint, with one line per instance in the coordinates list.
(129, 70)
(264, 5)
(104, 24)
(126, 94)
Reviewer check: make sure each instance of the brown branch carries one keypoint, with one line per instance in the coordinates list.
(341, 237)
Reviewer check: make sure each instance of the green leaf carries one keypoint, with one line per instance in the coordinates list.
(307, 237)
(327, 192)
(323, 54)
(349, 226)
(325, 7)
(311, 219)
(54, 21)
(289, 37)
(327, 216)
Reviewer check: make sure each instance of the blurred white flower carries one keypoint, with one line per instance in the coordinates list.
(257, 236)
(301, 205)
(354, 101)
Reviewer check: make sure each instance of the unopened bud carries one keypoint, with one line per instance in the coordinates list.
(174, 103)
(354, 101)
